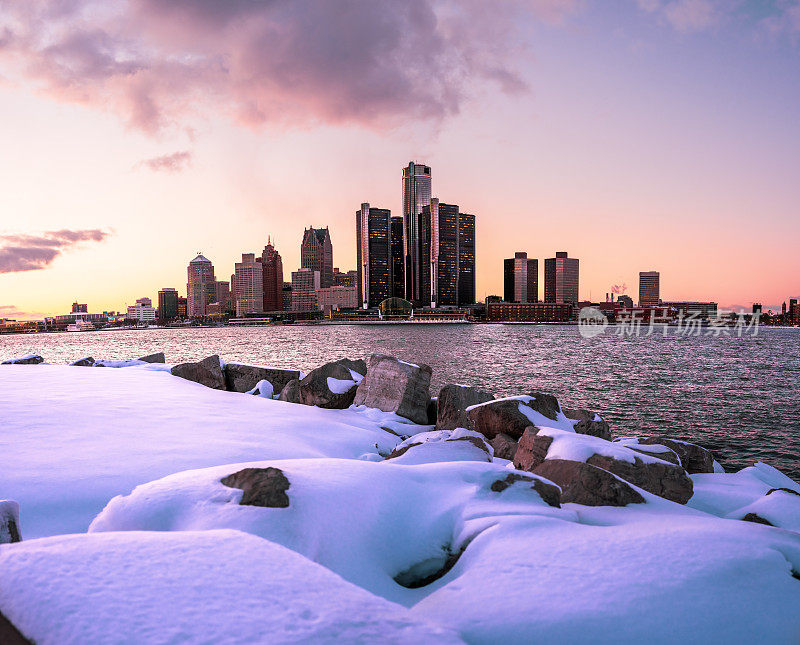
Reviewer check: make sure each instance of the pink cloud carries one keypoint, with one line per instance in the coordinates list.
(175, 162)
(25, 252)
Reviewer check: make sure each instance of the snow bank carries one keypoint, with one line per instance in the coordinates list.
(190, 587)
(441, 446)
(339, 385)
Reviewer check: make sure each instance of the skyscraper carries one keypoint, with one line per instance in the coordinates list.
(168, 303)
(373, 255)
(200, 288)
(416, 195)
(305, 283)
(396, 236)
(249, 285)
(316, 253)
(561, 279)
(439, 246)
(521, 278)
(649, 295)
(272, 281)
(466, 258)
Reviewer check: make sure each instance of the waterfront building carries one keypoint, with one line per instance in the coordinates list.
(79, 308)
(466, 259)
(272, 279)
(649, 288)
(373, 256)
(305, 283)
(521, 278)
(286, 297)
(529, 311)
(416, 195)
(183, 307)
(561, 279)
(168, 303)
(341, 297)
(142, 311)
(396, 244)
(316, 253)
(200, 287)
(686, 308)
(794, 311)
(248, 285)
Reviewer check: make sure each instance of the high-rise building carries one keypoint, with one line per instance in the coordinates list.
(794, 311)
(649, 295)
(168, 303)
(305, 283)
(200, 288)
(439, 246)
(561, 279)
(249, 294)
(521, 278)
(373, 256)
(345, 279)
(466, 258)
(272, 278)
(78, 308)
(416, 195)
(287, 296)
(183, 307)
(222, 291)
(396, 242)
(316, 253)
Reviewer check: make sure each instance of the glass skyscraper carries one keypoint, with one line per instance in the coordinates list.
(561, 279)
(373, 255)
(416, 195)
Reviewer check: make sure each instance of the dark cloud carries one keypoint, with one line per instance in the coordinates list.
(24, 252)
(371, 62)
(175, 162)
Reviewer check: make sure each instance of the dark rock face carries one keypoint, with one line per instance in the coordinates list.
(262, 487)
(207, 372)
(587, 423)
(582, 483)
(10, 635)
(665, 480)
(452, 405)
(158, 357)
(243, 378)
(290, 392)
(397, 452)
(781, 490)
(25, 360)
(754, 517)
(9, 522)
(315, 389)
(695, 459)
(550, 494)
(504, 415)
(433, 410)
(531, 449)
(84, 362)
(396, 386)
(504, 446)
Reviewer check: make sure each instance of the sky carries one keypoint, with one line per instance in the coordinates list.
(634, 134)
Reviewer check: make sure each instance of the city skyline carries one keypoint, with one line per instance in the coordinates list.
(644, 134)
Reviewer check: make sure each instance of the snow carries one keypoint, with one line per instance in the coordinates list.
(579, 447)
(191, 587)
(441, 446)
(263, 388)
(407, 363)
(356, 376)
(631, 442)
(339, 385)
(779, 508)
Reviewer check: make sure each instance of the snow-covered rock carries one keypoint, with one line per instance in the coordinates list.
(695, 459)
(452, 404)
(395, 386)
(208, 372)
(779, 507)
(504, 446)
(582, 483)
(29, 359)
(332, 385)
(244, 378)
(442, 445)
(589, 423)
(511, 415)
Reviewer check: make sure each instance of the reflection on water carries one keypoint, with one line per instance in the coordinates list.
(736, 396)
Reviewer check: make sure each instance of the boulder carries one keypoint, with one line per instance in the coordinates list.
(9, 634)
(262, 487)
(291, 392)
(582, 483)
(30, 359)
(695, 459)
(666, 455)
(507, 416)
(433, 410)
(158, 357)
(395, 386)
(754, 517)
(9, 522)
(531, 449)
(588, 423)
(504, 447)
(207, 372)
(332, 385)
(441, 446)
(549, 493)
(243, 378)
(84, 362)
(452, 404)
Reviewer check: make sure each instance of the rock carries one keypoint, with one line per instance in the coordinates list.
(695, 459)
(452, 404)
(10, 635)
(589, 423)
(9, 522)
(753, 517)
(30, 359)
(243, 378)
(84, 362)
(441, 446)
(207, 372)
(290, 392)
(666, 455)
(781, 490)
(331, 386)
(531, 449)
(433, 410)
(582, 483)
(262, 487)
(395, 386)
(549, 493)
(504, 446)
(158, 357)
(506, 416)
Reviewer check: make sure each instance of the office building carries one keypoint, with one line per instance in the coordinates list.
(316, 253)
(201, 287)
(272, 280)
(649, 290)
(333, 298)
(142, 311)
(794, 311)
(345, 279)
(466, 259)
(168, 303)
(521, 278)
(529, 312)
(78, 308)
(305, 284)
(183, 307)
(396, 243)
(696, 309)
(222, 292)
(373, 256)
(249, 286)
(561, 279)
(416, 195)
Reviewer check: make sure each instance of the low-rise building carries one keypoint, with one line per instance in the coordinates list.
(142, 311)
(529, 311)
(337, 298)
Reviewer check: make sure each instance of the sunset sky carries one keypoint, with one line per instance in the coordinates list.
(634, 134)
